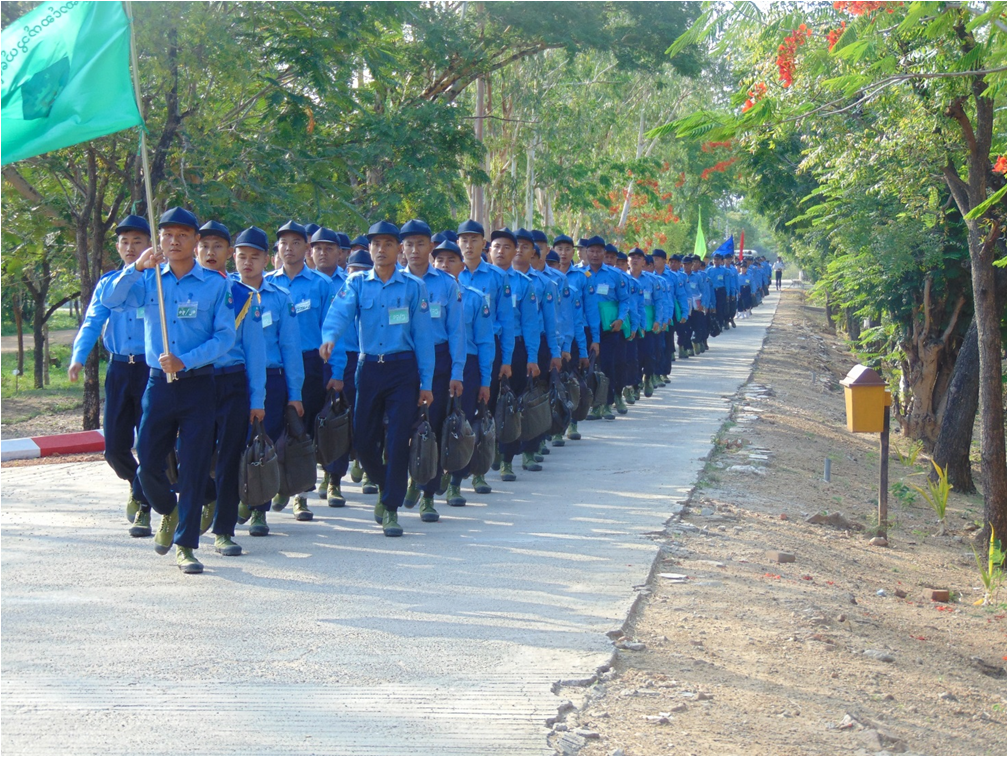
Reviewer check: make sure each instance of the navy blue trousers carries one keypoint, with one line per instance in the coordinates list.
(438, 410)
(232, 436)
(273, 423)
(339, 467)
(632, 362)
(611, 361)
(649, 349)
(124, 389)
(518, 382)
(386, 389)
(313, 389)
(471, 383)
(186, 409)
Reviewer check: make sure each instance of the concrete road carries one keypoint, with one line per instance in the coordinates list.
(327, 637)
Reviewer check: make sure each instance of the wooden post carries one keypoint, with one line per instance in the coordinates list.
(883, 479)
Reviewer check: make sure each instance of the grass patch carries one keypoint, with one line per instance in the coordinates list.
(60, 391)
(58, 321)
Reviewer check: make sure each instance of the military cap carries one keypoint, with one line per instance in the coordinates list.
(415, 228)
(450, 235)
(438, 238)
(178, 217)
(133, 223)
(359, 241)
(649, 260)
(611, 248)
(637, 251)
(595, 241)
(552, 257)
(253, 236)
(524, 234)
(582, 242)
(323, 234)
(658, 252)
(215, 229)
(621, 255)
(293, 227)
(471, 227)
(560, 238)
(311, 228)
(448, 246)
(504, 233)
(344, 240)
(361, 258)
(719, 255)
(539, 236)
(677, 256)
(383, 229)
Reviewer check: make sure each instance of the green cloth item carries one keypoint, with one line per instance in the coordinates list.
(65, 78)
(648, 317)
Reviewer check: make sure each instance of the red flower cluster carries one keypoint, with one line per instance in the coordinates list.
(711, 146)
(755, 95)
(834, 35)
(681, 180)
(999, 164)
(786, 53)
(868, 9)
(716, 168)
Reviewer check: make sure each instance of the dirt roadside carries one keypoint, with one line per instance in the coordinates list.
(841, 651)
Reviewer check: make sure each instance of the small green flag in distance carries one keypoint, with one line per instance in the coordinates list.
(700, 246)
(65, 78)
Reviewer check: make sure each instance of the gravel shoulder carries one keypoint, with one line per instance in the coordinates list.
(843, 650)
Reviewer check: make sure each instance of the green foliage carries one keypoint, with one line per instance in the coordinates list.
(903, 494)
(992, 570)
(936, 493)
(909, 458)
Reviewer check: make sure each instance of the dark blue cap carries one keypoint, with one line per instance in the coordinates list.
(344, 240)
(593, 242)
(178, 217)
(360, 241)
(504, 233)
(361, 258)
(438, 238)
(253, 236)
(322, 234)
(448, 246)
(620, 255)
(524, 234)
(611, 248)
(658, 252)
(133, 223)
(415, 228)
(450, 235)
(383, 229)
(215, 229)
(539, 236)
(677, 256)
(311, 228)
(293, 227)
(471, 227)
(649, 260)
(552, 257)
(583, 242)
(637, 251)
(562, 238)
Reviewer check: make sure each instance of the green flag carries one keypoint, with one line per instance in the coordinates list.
(700, 246)
(65, 78)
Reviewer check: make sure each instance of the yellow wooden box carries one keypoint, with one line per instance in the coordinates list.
(867, 396)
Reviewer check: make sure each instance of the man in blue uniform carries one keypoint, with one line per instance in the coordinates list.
(607, 306)
(281, 343)
(396, 371)
(311, 292)
(445, 301)
(578, 283)
(126, 377)
(200, 319)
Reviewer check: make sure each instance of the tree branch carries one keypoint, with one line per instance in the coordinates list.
(953, 320)
(60, 304)
(24, 188)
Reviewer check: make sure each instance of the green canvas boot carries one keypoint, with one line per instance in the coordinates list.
(443, 484)
(244, 513)
(621, 407)
(165, 535)
(279, 503)
(368, 486)
(356, 472)
(682, 353)
(301, 511)
(480, 485)
(258, 526)
(390, 524)
(206, 519)
(697, 348)
(226, 546)
(607, 413)
(323, 490)
(529, 462)
(427, 512)
(141, 525)
(595, 414)
(334, 497)
(379, 511)
(648, 387)
(628, 396)
(572, 433)
(636, 392)
(507, 474)
(557, 440)
(543, 449)
(454, 496)
(132, 507)
(496, 464)
(186, 560)
(412, 495)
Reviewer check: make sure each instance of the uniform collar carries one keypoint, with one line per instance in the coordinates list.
(397, 277)
(197, 270)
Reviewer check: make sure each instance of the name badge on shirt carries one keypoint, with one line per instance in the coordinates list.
(647, 295)
(435, 310)
(514, 300)
(140, 312)
(398, 316)
(603, 289)
(267, 319)
(188, 309)
(302, 306)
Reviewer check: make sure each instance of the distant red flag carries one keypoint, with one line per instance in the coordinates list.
(741, 245)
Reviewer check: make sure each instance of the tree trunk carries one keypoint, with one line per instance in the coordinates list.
(952, 448)
(19, 325)
(92, 399)
(38, 337)
(45, 353)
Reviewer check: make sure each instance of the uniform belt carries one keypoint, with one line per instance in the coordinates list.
(274, 371)
(388, 357)
(131, 359)
(206, 370)
(229, 369)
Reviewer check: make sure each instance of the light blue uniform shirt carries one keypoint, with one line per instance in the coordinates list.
(392, 316)
(479, 331)
(707, 287)
(493, 283)
(312, 293)
(565, 311)
(281, 337)
(197, 308)
(546, 296)
(122, 331)
(717, 274)
(607, 284)
(526, 310)
(249, 348)
(578, 285)
(445, 300)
